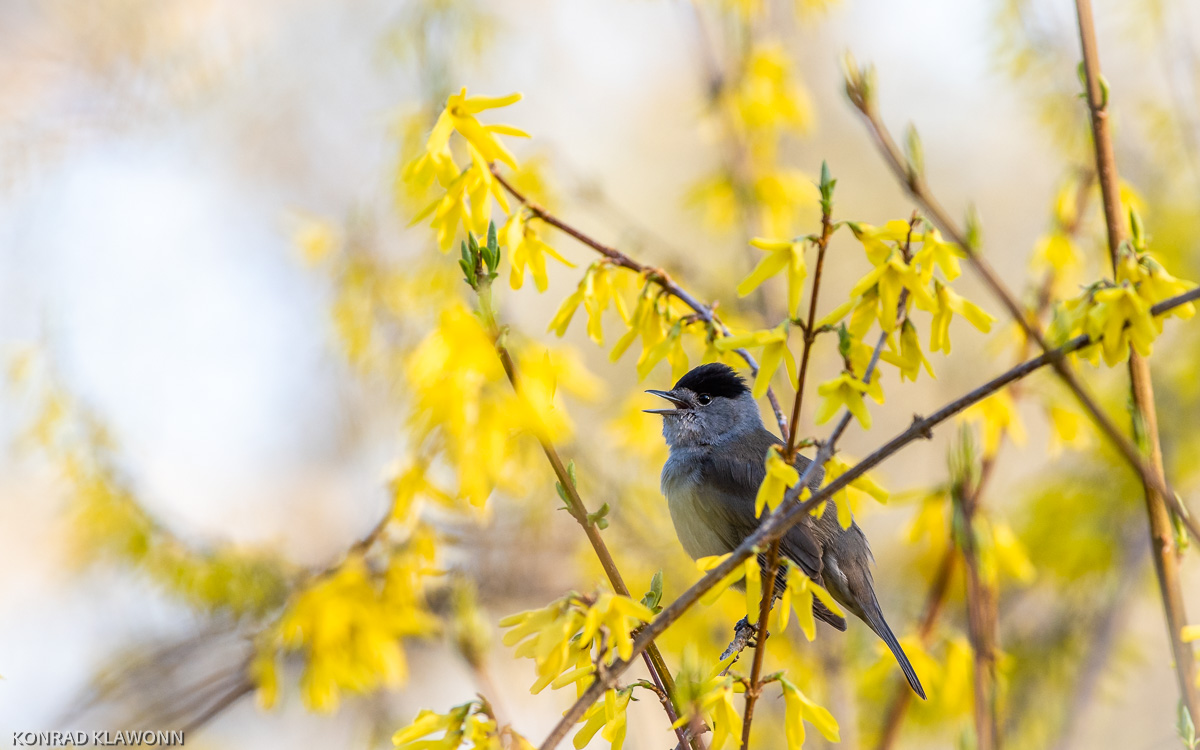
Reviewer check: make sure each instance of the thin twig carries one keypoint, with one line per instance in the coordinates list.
(981, 619)
(776, 526)
(657, 275)
(1166, 564)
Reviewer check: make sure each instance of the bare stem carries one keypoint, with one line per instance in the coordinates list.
(777, 525)
(657, 275)
(1166, 564)
(981, 616)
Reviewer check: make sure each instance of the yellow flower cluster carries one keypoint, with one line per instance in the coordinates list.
(464, 408)
(470, 190)
(906, 258)
(470, 726)
(348, 625)
(699, 695)
(570, 637)
(1117, 315)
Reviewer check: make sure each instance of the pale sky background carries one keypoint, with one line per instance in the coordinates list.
(145, 245)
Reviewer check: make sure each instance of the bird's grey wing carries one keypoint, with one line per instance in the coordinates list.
(730, 486)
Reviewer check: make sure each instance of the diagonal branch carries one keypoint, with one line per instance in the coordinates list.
(778, 524)
(657, 275)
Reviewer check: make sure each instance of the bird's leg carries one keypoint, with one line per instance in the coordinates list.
(744, 634)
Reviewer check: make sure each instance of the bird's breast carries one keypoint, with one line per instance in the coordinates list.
(689, 513)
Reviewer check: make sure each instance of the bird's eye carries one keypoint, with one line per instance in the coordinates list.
(704, 399)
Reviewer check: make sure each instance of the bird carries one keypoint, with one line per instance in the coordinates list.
(718, 447)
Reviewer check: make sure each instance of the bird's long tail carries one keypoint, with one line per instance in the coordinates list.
(875, 620)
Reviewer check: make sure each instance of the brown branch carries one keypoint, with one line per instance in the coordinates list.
(657, 275)
(1162, 541)
(981, 617)
(655, 663)
(777, 525)
(912, 179)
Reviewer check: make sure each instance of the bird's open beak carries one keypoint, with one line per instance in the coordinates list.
(680, 404)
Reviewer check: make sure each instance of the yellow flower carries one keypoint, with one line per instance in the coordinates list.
(527, 250)
(834, 468)
(609, 714)
(317, 238)
(1120, 318)
(874, 239)
(936, 251)
(1056, 251)
(798, 597)
(774, 351)
(800, 708)
(997, 414)
(780, 476)
(910, 358)
(890, 277)
(447, 211)
(844, 390)
(949, 303)
(781, 254)
(460, 115)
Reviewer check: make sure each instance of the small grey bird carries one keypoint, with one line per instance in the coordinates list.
(718, 451)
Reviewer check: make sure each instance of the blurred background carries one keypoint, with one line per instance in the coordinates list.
(191, 190)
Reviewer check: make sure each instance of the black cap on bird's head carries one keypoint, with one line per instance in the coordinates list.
(709, 403)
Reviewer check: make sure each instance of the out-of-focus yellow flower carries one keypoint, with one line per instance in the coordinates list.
(1002, 552)
(1068, 428)
(602, 285)
(712, 694)
(1190, 633)
(948, 304)
(317, 238)
(527, 250)
(935, 251)
(774, 351)
(1118, 319)
(609, 714)
(844, 390)
(766, 97)
(350, 623)
(781, 255)
(670, 347)
(800, 708)
(997, 416)
(1056, 251)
